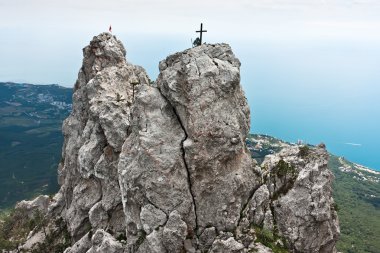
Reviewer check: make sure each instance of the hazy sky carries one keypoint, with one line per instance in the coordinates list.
(41, 40)
(310, 68)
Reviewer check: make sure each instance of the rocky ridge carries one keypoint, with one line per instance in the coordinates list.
(164, 167)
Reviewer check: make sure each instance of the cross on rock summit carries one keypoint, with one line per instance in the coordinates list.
(198, 41)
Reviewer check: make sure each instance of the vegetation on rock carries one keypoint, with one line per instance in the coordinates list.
(16, 225)
(304, 151)
(271, 240)
(14, 228)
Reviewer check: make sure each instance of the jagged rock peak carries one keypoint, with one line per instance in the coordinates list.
(94, 134)
(203, 86)
(220, 51)
(185, 169)
(103, 51)
(165, 167)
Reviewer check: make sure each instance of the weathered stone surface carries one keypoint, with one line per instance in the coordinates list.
(32, 241)
(116, 222)
(207, 238)
(165, 168)
(152, 218)
(258, 205)
(229, 245)
(202, 85)
(94, 134)
(152, 244)
(259, 248)
(174, 233)
(103, 242)
(98, 216)
(304, 211)
(151, 167)
(39, 204)
(81, 246)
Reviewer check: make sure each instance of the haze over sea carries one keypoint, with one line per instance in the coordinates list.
(325, 93)
(310, 69)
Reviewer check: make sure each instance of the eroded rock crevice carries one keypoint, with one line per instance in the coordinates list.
(185, 162)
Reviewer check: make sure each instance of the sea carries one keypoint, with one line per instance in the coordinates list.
(316, 92)
(313, 90)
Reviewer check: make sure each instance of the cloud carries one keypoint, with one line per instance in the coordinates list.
(246, 19)
(353, 144)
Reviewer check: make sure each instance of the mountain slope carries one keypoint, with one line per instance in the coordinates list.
(30, 139)
(164, 166)
(356, 193)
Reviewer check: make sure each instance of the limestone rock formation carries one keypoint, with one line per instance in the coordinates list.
(39, 204)
(90, 197)
(203, 86)
(164, 167)
(304, 211)
(295, 200)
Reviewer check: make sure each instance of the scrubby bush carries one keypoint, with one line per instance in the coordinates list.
(304, 151)
(15, 226)
(271, 240)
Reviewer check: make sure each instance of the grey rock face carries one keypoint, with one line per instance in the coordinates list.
(98, 216)
(174, 233)
(165, 168)
(94, 134)
(152, 244)
(229, 245)
(81, 246)
(151, 167)
(262, 249)
(152, 218)
(203, 86)
(104, 242)
(186, 153)
(39, 204)
(207, 238)
(305, 214)
(258, 205)
(301, 198)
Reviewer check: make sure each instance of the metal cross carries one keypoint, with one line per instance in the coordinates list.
(201, 31)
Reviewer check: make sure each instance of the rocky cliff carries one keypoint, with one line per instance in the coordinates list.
(164, 167)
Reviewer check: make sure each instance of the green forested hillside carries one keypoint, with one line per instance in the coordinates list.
(358, 199)
(30, 139)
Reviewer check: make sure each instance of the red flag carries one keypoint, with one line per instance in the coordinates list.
(110, 29)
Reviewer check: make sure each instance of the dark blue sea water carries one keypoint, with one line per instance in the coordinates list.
(317, 93)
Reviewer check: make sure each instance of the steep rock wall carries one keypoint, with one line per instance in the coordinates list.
(94, 133)
(164, 167)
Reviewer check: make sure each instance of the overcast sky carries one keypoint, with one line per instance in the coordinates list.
(310, 68)
(41, 40)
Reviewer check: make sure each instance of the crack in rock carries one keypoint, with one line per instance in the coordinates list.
(184, 160)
